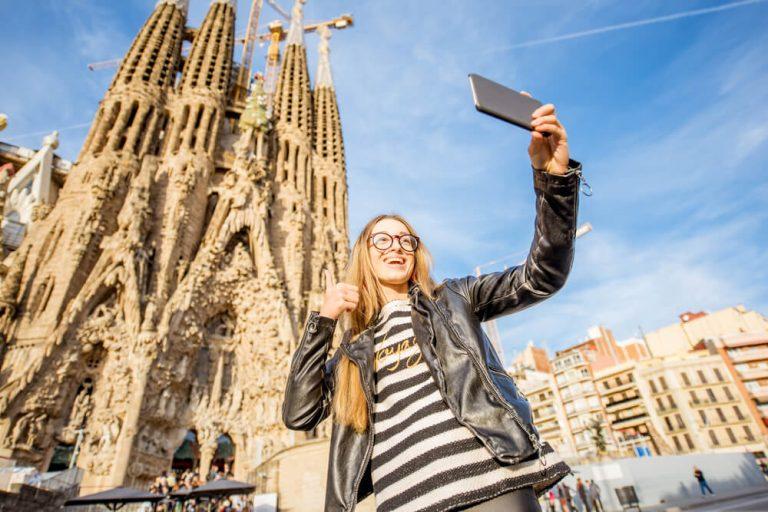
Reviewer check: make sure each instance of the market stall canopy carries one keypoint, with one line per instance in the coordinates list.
(115, 498)
(222, 488)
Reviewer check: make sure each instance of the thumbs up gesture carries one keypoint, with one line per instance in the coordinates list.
(339, 297)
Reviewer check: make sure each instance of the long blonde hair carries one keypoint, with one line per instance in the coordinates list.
(349, 400)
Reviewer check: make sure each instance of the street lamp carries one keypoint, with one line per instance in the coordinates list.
(490, 325)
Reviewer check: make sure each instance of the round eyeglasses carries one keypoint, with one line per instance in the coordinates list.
(383, 241)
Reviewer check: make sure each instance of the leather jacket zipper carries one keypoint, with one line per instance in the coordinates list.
(369, 448)
(585, 188)
(491, 387)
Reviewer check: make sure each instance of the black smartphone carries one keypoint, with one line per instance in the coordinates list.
(502, 102)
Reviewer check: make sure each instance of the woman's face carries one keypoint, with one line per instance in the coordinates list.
(393, 266)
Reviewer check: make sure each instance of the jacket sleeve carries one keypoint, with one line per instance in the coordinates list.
(549, 260)
(309, 389)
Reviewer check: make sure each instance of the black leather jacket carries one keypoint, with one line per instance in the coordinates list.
(463, 363)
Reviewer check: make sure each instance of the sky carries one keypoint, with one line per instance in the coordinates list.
(665, 105)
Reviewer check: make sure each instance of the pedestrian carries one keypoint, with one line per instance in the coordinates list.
(551, 500)
(416, 389)
(593, 491)
(703, 485)
(564, 493)
(582, 490)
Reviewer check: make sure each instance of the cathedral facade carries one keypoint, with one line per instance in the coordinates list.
(162, 295)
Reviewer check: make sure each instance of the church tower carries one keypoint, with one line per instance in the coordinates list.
(329, 184)
(188, 157)
(63, 245)
(157, 305)
(291, 214)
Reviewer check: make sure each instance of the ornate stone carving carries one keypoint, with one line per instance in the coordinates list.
(181, 310)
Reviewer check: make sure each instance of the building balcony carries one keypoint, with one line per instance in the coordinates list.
(622, 404)
(744, 356)
(631, 421)
(753, 373)
(706, 402)
(711, 423)
(667, 410)
(617, 388)
(760, 394)
(550, 426)
(675, 429)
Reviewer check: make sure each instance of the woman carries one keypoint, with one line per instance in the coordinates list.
(425, 417)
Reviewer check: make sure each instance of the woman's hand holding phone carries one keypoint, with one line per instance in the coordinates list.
(548, 152)
(339, 297)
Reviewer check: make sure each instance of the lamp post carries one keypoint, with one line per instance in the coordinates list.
(490, 326)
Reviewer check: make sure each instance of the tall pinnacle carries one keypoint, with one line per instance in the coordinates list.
(296, 30)
(182, 5)
(324, 77)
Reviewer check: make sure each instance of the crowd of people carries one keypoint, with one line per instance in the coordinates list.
(173, 480)
(585, 498)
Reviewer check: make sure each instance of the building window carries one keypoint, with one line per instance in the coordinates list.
(727, 392)
(718, 375)
(711, 395)
(713, 438)
(660, 404)
(618, 381)
(669, 423)
(689, 442)
(703, 417)
(694, 397)
(748, 433)
(738, 413)
(702, 378)
(663, 383)
(686, 380)
(731, 437)
(671, 401)
(720, 414)
(678, 446)
(653, 386)
(679, 421)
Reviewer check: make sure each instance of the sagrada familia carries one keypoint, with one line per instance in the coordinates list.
(165, 290)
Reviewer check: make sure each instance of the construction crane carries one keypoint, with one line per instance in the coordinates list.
(276, 34)
(104, 64)
(244, 75)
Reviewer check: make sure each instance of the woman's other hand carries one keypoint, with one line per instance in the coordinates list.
(339, 297)
(548, 153)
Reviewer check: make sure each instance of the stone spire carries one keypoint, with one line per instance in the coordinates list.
(63, 249)
(188, 157)
(291, 228)
(329, 194)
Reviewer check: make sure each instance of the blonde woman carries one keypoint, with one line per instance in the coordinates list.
(425, 417)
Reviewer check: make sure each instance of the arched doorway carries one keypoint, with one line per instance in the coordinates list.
(224, 457)
(187, 455)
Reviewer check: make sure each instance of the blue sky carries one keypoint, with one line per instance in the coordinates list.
(670, 120)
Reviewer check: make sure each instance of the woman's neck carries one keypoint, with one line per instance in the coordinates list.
(395, 292)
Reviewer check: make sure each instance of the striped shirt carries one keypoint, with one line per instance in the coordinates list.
(423, 458)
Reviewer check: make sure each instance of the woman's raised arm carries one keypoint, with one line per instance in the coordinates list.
(309, 390)
(556, 183)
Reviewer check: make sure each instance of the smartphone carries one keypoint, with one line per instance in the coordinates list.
(502, 102)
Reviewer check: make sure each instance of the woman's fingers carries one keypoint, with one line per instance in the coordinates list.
(550, 119)
(330, 281)
(550, 128)
(543, 110)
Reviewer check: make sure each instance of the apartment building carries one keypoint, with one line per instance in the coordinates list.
(697, 327)
(627, 412)
(547, 407)
(695, 403)
(746, 356)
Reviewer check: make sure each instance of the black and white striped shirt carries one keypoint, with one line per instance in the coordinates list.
(423, 458)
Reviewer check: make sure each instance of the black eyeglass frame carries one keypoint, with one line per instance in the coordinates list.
(392, 241)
